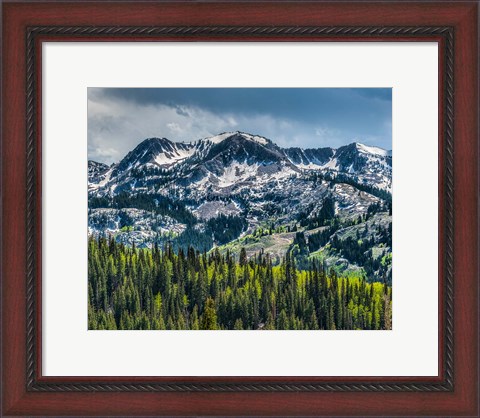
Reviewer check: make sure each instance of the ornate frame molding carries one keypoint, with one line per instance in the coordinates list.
(213, 32)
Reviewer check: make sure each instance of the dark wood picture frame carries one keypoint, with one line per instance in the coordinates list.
(454, 25)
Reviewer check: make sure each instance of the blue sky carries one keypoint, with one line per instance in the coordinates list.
(120, 118)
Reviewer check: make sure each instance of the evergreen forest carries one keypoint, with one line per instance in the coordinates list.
(171, 288)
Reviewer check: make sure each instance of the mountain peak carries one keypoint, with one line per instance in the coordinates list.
(155, 140)
(160, 152)
(153, 144)
(216, 139)
(368, 149)
(255, 138)
(358, 147)
(95, 167)
(231, 147)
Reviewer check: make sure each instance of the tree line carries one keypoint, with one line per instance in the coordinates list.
(160, 289)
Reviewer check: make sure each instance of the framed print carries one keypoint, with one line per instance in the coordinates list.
(239, 209)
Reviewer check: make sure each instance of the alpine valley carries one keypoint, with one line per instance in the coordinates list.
(240, 193)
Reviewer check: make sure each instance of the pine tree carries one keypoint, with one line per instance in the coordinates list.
(243, 257)
(209, 316)
(282, 321)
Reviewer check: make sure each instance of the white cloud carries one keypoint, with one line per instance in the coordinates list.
(174, 127)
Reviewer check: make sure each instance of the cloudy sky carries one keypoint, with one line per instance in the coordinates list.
(120, 118)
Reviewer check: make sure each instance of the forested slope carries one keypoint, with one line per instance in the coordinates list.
(131, 288)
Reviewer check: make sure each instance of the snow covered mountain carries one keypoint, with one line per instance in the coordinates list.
(221, 189)
(229, 159)
(156, 152)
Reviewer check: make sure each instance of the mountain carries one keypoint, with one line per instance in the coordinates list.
(156, 152)
(372, 164)
(238, 190)
(232, 157)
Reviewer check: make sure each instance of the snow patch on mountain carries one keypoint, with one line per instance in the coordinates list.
(255, 138)
(168, 159)
(216, 139)
(209, 210)
(373, 150)
(331, 165)
(235, 173)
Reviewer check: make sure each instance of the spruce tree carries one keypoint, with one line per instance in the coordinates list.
(209, 316)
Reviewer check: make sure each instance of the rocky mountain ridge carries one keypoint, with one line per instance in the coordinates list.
(223, 190)
(211, 158)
